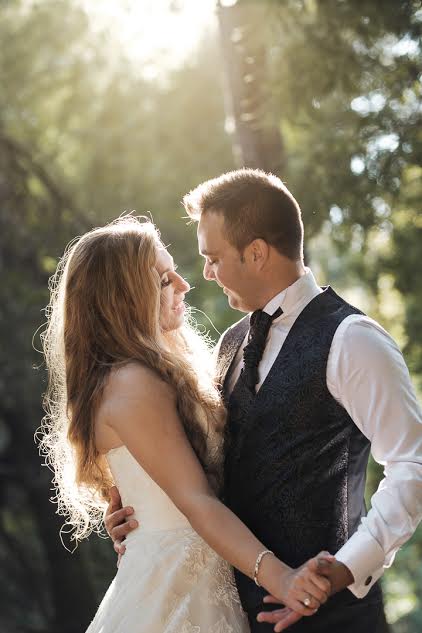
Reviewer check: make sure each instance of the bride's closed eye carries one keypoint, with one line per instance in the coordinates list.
(167, 281)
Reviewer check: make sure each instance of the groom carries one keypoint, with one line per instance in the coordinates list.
(311, 384)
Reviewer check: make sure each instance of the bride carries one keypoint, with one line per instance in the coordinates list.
(131, 401)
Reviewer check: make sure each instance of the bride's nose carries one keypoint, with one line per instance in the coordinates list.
(183, 285)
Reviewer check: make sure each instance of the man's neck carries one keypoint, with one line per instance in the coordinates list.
(280, 279)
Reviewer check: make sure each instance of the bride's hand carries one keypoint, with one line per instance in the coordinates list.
(303, 589)
(116, 521)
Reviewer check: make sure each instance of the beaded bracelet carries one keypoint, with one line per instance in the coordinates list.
(257, 564)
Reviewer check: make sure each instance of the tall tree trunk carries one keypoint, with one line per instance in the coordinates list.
(250, 116)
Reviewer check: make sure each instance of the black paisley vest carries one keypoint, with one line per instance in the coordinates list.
(295, 473)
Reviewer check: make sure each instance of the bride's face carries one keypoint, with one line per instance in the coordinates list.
(173, 291)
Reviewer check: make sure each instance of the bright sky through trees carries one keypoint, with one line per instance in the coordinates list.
(160, 33)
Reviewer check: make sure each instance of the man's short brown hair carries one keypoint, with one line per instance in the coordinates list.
(254, 205)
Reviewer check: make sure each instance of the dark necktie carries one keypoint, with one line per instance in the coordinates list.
(260, 324)
(242, 397)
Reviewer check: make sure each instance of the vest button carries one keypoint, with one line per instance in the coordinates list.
(368, 581)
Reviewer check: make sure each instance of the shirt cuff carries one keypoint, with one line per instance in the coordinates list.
(365, 558)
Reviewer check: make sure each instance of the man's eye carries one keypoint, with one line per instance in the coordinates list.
(165, 283)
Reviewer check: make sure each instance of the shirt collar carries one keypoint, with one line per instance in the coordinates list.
(301, 291)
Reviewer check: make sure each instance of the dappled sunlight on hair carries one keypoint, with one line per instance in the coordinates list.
(104, 312)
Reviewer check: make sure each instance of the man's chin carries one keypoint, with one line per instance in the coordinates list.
(236, 304)
(231, 300)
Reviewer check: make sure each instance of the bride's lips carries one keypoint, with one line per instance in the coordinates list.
(180, 308)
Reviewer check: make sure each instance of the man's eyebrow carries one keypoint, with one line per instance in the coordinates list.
(203, 252)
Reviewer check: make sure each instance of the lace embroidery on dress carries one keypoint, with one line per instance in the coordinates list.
(203, 564)
(222, 588)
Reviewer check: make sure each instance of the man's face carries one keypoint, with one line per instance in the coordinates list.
(223, 263)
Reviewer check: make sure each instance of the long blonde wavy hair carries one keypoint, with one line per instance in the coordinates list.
(104, 312)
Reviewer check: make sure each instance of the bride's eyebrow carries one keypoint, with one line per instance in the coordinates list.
(170, 270)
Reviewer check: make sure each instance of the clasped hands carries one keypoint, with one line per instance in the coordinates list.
(316, 579)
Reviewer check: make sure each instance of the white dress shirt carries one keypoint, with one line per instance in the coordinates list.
(367, 375)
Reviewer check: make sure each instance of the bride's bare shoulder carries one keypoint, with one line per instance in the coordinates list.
(135, 381)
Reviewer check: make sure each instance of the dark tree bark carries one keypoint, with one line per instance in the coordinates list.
(251, 118)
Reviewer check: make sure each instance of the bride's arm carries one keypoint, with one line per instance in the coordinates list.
(141, 409)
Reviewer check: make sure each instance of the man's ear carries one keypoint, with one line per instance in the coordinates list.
(259, 252)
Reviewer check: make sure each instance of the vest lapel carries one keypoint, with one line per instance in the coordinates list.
(228, 349)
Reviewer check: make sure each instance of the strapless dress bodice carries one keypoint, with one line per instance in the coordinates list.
(154, 510)
(169, 580)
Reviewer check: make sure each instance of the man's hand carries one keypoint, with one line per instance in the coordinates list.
(117, 523)
(337, 573)
(283, 618)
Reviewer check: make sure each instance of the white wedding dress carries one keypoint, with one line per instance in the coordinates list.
(169, 580)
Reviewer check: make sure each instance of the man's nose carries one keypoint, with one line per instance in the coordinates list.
(208, 272)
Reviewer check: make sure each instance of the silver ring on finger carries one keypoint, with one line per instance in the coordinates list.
(307, 602)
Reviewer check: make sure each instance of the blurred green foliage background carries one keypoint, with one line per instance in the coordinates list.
(112, 106)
